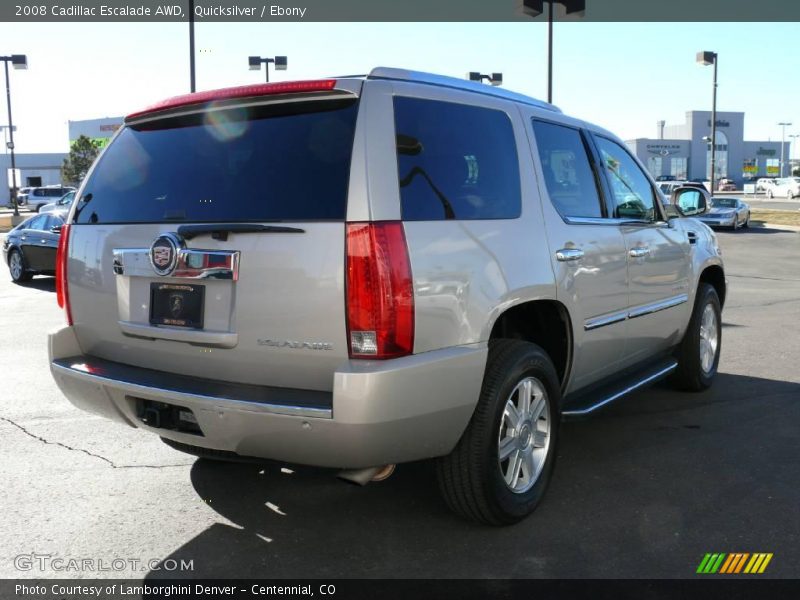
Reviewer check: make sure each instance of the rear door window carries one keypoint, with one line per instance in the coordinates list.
(285, 162)
(568, 175)
(455, 161)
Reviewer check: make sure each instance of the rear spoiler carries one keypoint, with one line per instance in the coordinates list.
(244, 91)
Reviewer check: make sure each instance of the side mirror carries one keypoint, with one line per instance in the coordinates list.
(690, 201)
(56, 229)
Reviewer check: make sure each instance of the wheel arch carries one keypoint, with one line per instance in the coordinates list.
(715, 276)
(543, 322)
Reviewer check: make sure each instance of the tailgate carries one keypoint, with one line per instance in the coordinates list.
(211, 244)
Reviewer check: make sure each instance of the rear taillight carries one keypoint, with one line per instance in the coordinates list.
(380, 291)
(62, 289)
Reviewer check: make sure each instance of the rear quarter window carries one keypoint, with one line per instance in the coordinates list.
(455, 161)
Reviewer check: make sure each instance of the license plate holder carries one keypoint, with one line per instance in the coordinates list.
(177, 305)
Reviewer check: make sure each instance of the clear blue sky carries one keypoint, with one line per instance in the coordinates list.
(623, 76)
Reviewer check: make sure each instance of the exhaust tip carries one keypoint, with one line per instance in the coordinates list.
(364, 476)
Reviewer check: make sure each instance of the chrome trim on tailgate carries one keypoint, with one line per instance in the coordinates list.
(191, 263)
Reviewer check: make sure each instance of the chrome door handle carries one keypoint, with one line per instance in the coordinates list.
(639, 252)
(568, 254)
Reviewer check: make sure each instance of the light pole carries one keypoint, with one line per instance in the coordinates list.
(18, 61)
(533, 8)
(783, 142)
(493, 78)
(794, 137)
(280, 62)
(711, 58)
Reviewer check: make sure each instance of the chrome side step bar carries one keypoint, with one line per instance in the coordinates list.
(584, 405)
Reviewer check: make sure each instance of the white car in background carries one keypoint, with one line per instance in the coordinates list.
(61, 206)
(764, 183)
(785, 186)
(40, 196)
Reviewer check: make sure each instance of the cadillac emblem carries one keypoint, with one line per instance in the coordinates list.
(164, 253)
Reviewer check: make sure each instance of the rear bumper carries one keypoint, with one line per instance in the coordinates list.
(379, 412)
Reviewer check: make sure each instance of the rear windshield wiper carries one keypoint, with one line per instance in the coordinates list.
(220, 231)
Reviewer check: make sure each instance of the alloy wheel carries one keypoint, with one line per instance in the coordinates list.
(709, 338)
(524, 436)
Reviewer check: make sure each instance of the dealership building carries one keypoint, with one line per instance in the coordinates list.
(682, 151)
(99, 130)
(38, 169)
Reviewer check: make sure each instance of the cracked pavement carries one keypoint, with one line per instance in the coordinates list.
(642, 490)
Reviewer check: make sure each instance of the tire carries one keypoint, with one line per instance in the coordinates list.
(698, 354)
(789, 194)
(747, 222)
(769, 194)
(36, 209)
(472, 478)
(16, 267)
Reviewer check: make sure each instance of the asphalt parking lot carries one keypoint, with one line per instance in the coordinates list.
(644, 489)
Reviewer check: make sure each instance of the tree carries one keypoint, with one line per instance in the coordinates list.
(82, 154)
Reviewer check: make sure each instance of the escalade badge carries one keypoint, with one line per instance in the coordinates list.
(164, 253)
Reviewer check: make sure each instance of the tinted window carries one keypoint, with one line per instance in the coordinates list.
(38, 223)
(567, 173)
(455, 161)
(632, 194)
(270, 163)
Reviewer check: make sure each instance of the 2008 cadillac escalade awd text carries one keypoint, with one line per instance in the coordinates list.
(363, 271)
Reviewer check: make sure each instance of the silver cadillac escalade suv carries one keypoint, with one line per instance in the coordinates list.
(363, 271)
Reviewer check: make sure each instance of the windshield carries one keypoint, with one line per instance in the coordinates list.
(66, 199)
(723, 202)
(275, 162)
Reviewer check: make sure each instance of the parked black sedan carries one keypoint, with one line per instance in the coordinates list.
(30, 248)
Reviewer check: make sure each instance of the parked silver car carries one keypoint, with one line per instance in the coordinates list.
(727, 212)
(438, 269)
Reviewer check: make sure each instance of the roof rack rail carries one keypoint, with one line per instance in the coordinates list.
(453, 82)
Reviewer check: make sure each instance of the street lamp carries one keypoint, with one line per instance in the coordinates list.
(783, 142)
(493, 78)
(18, 61)
(4, 129)
(279, 61)
(711, 58)
(533, 8)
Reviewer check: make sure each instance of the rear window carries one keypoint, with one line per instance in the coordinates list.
(287, 162)
(455, 161)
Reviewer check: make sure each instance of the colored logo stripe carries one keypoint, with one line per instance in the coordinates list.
(758, 563)
(734, 563)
